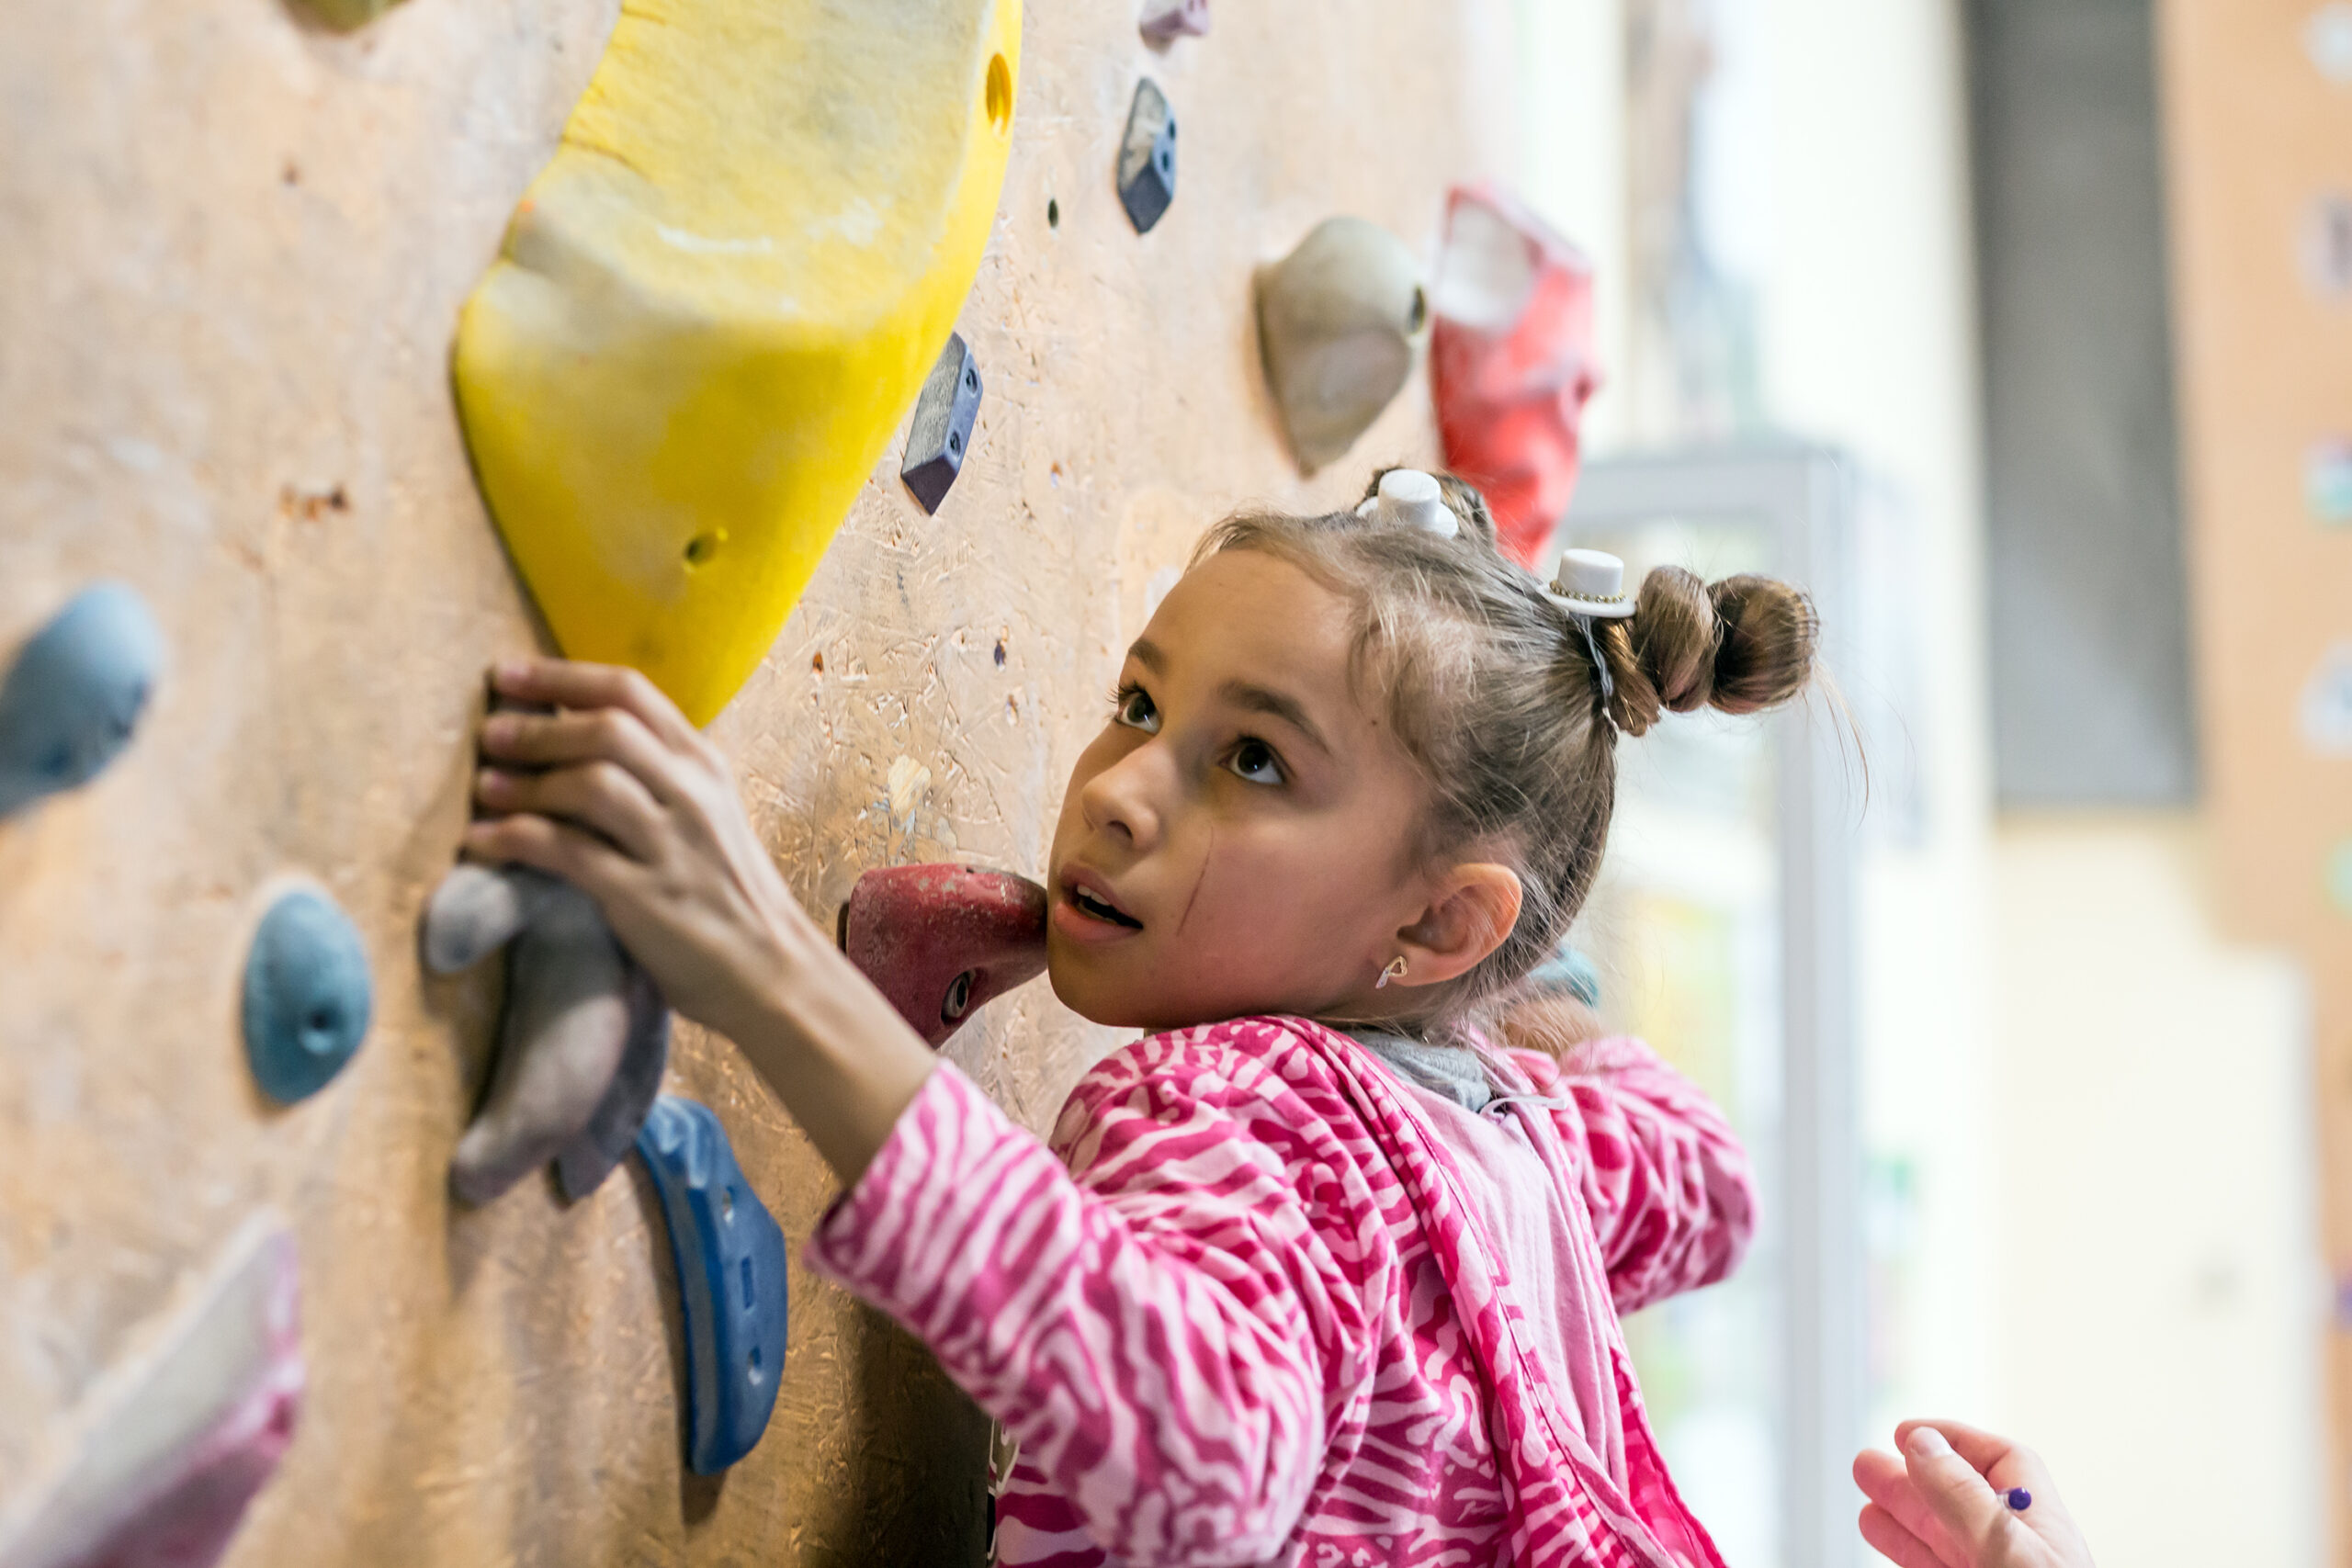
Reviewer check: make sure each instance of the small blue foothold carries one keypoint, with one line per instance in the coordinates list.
(730, 1257)
(307, 996)
(2019, 1499)
(75, 693)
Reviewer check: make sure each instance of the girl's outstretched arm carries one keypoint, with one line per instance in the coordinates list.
(1162, 1335)
(1672, 1199)
(615, 792)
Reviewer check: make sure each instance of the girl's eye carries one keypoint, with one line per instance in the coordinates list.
(1255, 760)
(1134, 708)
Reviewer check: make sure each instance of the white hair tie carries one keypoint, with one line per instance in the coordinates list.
(1590, 586)
(1408, 498)
(1591, 582)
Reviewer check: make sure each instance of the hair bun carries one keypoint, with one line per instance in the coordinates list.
(1744, 643)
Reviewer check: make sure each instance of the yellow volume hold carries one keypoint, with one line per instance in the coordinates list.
(716, 304)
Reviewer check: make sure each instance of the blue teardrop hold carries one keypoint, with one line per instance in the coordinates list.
(307, 996)
(730, 1255)
(74, 694)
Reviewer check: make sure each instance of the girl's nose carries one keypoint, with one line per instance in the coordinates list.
(1124, 798)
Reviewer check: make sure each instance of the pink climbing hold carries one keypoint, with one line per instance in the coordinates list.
(1165, 20)
(1511, 362)
(940, 940)
(181, 1442)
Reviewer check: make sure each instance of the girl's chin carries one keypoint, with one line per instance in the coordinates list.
(1148, 1005)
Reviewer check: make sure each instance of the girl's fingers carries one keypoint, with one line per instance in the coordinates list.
(597, 735)
(601, 796)
(544, 844)
(567, 683)
(1888, 1537)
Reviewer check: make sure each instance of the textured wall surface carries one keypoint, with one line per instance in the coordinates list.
(234, 250)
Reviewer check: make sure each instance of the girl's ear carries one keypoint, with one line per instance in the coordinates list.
(1475, 906)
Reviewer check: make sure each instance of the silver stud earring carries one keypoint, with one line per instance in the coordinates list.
(1395, 971)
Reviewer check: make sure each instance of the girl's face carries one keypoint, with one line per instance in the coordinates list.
(1239, 838)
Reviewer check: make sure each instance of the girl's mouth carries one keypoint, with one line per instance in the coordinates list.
(1086, 902)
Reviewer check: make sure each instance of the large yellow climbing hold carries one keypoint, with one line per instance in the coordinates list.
(717, 303)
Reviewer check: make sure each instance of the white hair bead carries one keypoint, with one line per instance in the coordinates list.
(1592, 582)
(1408, 498)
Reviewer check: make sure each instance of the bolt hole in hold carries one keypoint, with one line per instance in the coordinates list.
(1419, 316)
(1000, 653)
(999, 91)
(702, 546)
(727, 1202)
(1053, 213)
(751, 1299)
(959, 999)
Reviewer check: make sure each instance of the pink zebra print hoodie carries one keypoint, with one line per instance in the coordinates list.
(1244, 1310)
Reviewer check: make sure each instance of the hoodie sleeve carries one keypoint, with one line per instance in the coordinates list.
(1672, 1198)
(1165, 1326)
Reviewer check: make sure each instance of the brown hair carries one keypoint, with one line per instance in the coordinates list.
(1492, 688)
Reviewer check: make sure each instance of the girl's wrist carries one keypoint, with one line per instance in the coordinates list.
(832, 1046)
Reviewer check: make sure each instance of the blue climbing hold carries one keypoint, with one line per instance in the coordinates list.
(731, 1258)
(307, 996)
(75, 693)
(1566, 972)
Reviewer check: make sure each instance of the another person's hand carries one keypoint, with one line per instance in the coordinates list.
(1945, 1503)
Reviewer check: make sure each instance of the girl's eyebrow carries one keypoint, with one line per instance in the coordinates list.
(1281, 706)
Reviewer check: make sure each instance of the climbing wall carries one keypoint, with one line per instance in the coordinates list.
(238, 242)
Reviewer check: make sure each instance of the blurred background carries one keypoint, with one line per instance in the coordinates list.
(2024, 323)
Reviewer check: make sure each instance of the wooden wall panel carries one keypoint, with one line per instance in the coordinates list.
(234, 248)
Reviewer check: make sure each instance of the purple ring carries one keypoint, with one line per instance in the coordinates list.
(2019, 1499)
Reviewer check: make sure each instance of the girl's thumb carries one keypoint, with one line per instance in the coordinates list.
(1961, 1499)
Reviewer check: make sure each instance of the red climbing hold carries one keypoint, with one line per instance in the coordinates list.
(940, 940)
(1511, 362)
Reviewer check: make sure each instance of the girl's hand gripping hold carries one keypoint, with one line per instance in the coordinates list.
(1945, 1504)
(615, 792)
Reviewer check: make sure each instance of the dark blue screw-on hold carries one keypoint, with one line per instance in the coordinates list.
(941, 432)
(1148, 157)
(75, 693)
(730, 1253)
(307, 996)
(2019, 1499)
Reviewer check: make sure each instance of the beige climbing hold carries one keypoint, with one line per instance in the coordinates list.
(1339, 320)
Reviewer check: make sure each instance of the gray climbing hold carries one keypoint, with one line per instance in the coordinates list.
(583, 1040)
(75, 693)
(1339, 322)
(942, 430)
(477, 910)
(1148, 157)
(730, 1259)
(583, 1163)
(307, 996)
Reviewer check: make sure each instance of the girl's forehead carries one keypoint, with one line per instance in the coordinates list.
(1248, 607)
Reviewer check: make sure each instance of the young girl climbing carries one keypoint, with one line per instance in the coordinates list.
(1319, 1271)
